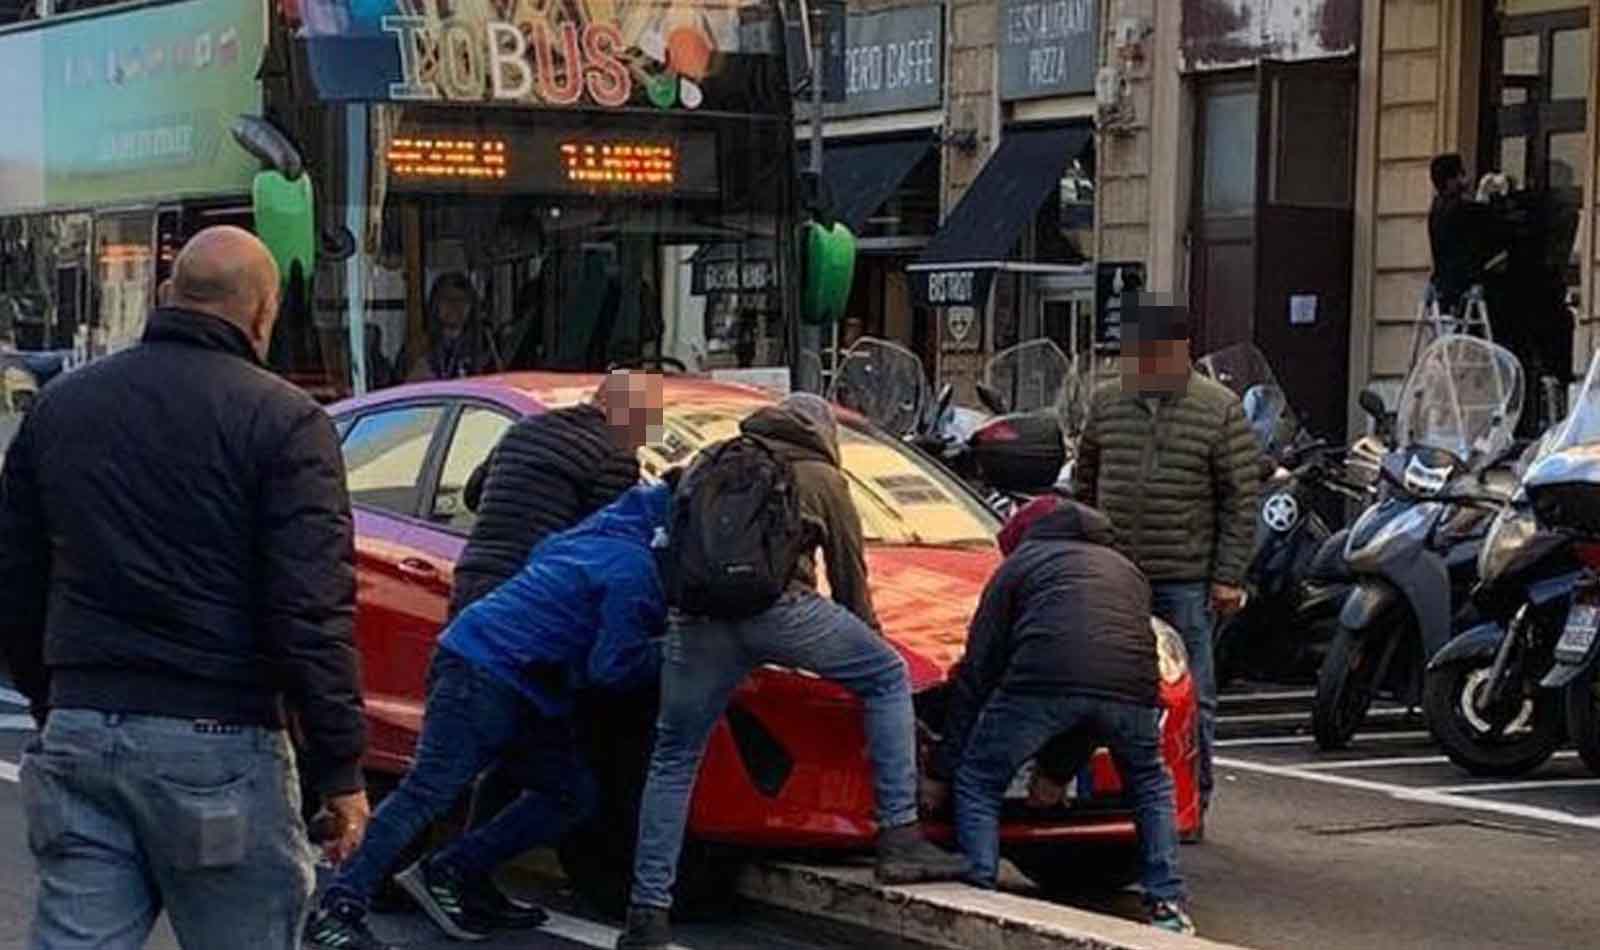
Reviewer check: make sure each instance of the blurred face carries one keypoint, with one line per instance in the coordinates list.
(1155, 352)
(454, 307)
(632, 403)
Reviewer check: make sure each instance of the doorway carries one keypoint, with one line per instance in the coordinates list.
(1271, 230)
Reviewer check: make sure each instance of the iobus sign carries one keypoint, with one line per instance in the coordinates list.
(713, 55)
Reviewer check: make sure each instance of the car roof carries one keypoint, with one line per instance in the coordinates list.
(530, 391)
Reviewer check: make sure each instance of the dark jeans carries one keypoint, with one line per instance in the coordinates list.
(1187, 607)
(705, 660)
(132, 815)
(1012, 728)
(472, 717)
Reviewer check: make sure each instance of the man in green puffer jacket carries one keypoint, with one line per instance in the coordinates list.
(1168, 456)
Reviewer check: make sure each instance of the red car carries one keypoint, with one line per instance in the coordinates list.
(787, 767)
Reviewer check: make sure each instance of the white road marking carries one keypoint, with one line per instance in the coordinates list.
(1386, 713)
(1401, 760)
(586, 932)
(10, 771)
(17, 722)
(1528, 786)
(1420, 796)
(1266, 697)
(12, 697)
(1308, 740)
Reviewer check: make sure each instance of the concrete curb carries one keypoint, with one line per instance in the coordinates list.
(950, 916)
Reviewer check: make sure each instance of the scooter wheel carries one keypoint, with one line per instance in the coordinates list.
(1583, 718)
(1497, 744)
(1344, 689)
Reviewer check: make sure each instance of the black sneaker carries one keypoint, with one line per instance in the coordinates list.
(337, 928)
(438, 891)
(1171, 917)
(647, 929)
(486, 902)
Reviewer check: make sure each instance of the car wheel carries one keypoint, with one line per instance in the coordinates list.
(1060, 869)
(597, 856)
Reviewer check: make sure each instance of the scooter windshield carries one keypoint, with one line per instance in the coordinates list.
(1463, 397)
(883, 382)
(1582, 425)
(1244, 369)
(1036, 376)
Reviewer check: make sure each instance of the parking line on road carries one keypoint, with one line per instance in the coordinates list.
(12, 697)
(1526, 786)
(1419, 796)
(1308, 740)
(10, 771)
(1246, 718)
(586, 932)
(1338, 764)
(17, 722)
(1266, 697)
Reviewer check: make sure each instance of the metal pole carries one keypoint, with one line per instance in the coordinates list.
(357, 162)
(819, 42)
(45, 8)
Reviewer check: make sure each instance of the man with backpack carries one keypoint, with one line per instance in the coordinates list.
(741, 578)
(580, 615)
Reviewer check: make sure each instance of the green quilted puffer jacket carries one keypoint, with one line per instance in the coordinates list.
(1178, 477)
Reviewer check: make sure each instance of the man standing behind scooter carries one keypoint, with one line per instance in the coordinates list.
(1167, 454)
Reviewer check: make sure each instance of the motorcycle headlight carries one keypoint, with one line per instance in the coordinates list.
(1171, 657)
(1510, 535)
(1382, 525)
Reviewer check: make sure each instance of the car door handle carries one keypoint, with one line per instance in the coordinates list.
(417, 569)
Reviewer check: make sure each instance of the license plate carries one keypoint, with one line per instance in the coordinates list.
(1583, 625)
(1021, 782)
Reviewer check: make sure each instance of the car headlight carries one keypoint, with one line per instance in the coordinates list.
(1381, 526)
(1171, 657)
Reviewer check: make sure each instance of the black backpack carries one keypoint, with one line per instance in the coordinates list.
(737, 532)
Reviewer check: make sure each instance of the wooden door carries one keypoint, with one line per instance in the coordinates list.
(1222, 234)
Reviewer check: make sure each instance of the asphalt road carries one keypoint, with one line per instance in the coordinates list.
(1384, 845)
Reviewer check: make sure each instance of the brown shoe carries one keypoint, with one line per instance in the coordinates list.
(906, 857)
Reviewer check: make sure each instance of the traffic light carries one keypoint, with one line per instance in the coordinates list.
(830, 268)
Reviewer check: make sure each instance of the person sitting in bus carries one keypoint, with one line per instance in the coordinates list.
(458, 344)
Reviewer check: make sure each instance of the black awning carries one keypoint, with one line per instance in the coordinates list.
(978, 235)
(862, 177)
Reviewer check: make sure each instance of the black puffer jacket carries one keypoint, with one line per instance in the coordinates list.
(175, 540)
(1064, 615)
(548, 473)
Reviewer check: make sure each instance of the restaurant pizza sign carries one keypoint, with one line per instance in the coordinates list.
(548, 53)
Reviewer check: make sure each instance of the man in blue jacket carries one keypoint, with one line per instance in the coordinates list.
(581, 614)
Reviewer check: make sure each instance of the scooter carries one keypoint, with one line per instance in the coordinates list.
(1564, 488)
(1296, 582)
(1482, 693)
(1414, 552)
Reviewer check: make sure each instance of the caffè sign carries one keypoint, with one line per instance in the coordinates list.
(894, 61)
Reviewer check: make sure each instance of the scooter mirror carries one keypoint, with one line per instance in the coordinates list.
(1372, 404)
(991, 399)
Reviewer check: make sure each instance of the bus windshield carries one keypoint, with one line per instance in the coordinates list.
(564, 186)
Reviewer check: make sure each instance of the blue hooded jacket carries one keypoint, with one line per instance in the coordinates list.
(581, 612)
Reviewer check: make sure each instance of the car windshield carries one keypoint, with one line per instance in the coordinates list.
(1464, 397)
(903, 496)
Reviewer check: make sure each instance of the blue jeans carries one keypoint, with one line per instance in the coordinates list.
(130, 815)
(1187, 607)
(705, 661)
(1013, 728)
(473, 716)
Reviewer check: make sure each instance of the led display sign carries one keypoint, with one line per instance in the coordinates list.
(619, 164)
(544, 159)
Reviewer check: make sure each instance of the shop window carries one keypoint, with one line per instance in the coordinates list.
(1228, 143)
(477, 432)
(384, 454)
(1569, 64)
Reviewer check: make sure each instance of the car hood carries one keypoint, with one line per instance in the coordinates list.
(925, 598)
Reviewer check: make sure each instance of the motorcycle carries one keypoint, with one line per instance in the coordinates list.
(1481, 694)
(1564, 488)
(1296, 582)
(1005, 459)
(1414, 552)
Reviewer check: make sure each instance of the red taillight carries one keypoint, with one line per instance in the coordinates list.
(1589, 554)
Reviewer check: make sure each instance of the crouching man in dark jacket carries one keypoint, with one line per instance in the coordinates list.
(1061, 644)
(581, 614)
